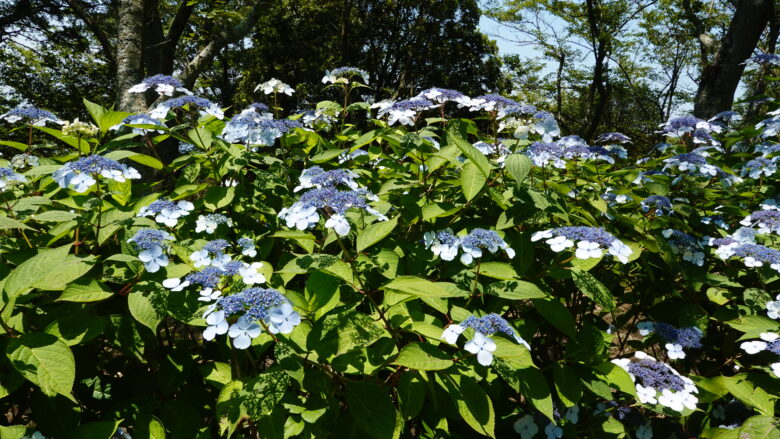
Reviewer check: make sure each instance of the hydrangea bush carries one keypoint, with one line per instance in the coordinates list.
(384, 271)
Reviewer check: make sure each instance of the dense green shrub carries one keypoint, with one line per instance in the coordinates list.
(312, 276)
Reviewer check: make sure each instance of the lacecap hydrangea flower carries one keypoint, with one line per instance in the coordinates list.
(344, 75)
(203, 105)
(304, 213)
(753, 255)
(31, 115)
(24, 160)
(767, 221)
(83, 173)
(773, 308)
(591, 242)
(759, 166)
(685, 245)
(542, 153)
(274, 85)
(488, 102)
(164, 85)
(167, 212)
(676, 339)
(446, 245)
(8, 176)
(658, 383)
(316, 177)
(441, 95)
(484, 327)
(253, 128)
(405, 112)
(659, 204)
(209, 223)
(151, 246)
(250, 305)
(770, 342)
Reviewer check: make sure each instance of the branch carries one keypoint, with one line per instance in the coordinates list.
(93, 26)
(196, 66)
(179, 22)
(699, 32)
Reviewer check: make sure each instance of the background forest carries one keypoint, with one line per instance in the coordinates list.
(599, 65)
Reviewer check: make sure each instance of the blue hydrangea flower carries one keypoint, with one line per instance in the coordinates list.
(344, 75)
(686, 245)
(484, 327)
(405, 112)
(203, 105)
(759, 166)
(304, 214)
(489, 102)
(590, 241)
(164, 85)
(479, 239)
(319, 178)
(31, 115)
(151, 244)
(660, 204)
(678, 339)
(210, 222)
(257, 129)
(659, 383)
(442, 243)
(542, 153)
(9, 176)
(770, 342)
(167, 212)
(441, 95)
(247, 247)
(613, 137)
(24, 160)
(82, 174)
(767, 221)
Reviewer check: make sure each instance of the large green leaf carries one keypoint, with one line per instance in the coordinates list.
(417, 287)
(34, 270)
(85, 290)
(474, 405)
(516, 290)
(411, 394)
(375, 233)
(518, 166)
(557, 314)
(423, 356)
(10, 223)
(472, 179)
(593, 289)
(45, 360)
(473, 154)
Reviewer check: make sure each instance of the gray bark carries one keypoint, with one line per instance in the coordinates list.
(721, 76)
(129, 54)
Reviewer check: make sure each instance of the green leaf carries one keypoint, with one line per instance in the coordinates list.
(375, 233)
(55, 216)
(18, 145)
(45, 360)
(534, 387)
(357, 330)
(10, 223)
(149, 427)
(263, 392)
(755, 397)
(474, 405)
(141, 308)
(473, 154)
(423, 356)
(411, 395)
(472, 179)
(34, 270)
(229, 410)
(593, 289)
(557, 314)
(518, 166)
(372, 409)
(417, 287)
(85, 290)
(568, 385)
(516, 290)
(218, 197)
(327, 155)
(76, 328)
(497, 270)
(760, 427)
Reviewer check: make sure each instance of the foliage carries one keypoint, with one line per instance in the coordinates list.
(312, 277)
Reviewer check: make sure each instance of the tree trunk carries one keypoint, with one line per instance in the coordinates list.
(720, 78)
(129, 54)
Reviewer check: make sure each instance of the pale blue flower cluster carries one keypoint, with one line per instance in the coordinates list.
(481, 344)
(8, 176)
(676, 339)
(405, 112)
(695, 164)
(658, 203)
(752, 254)
(24, 160)
(164, 85)
(770, 342)
(31, 115)
(685, 245)
(209, 223)
(251, 305)
(203, 105)
(542, 153)
(767, 221)
(345, 75)
(759, 166)
(255, 128)
(151, 246)
(591, 242)
(658, 383)
(324, 196)
(167, 212)
(446, 245)
(699, 130)
(82, 174)
(441, 95)
(489, 102)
